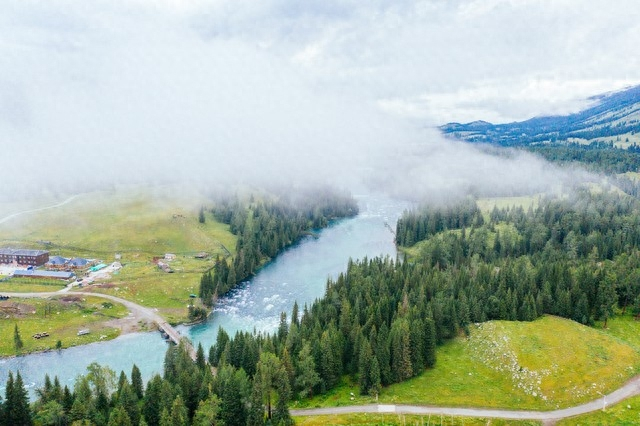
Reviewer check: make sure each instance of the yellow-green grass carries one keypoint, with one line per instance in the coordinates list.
(102, 224)
(625, 328)
(506, 230)
(363, 419)
(626, 412)
(9, 207)
(144, 283)
(572, 363)
(336, 397)
(486, 205)
(139, 225)
(27, 285)
(631, 175)
(62, 320)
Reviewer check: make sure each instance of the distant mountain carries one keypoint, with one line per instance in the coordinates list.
(613, 120)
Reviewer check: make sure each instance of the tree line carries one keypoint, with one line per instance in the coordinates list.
(576, 258)
(265, 228)
(381, 320)
(187, 393)
(597, 156)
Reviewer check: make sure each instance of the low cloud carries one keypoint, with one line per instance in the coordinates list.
(210, 93)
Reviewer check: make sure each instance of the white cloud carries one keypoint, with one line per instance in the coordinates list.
(241, 90)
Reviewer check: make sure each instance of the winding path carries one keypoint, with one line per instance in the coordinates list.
(11, 216)
(139, 311)
(631, 388)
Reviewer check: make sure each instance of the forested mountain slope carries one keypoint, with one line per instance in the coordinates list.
(605, 136)
(613, 115)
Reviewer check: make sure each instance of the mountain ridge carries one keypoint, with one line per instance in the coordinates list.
(614, 118)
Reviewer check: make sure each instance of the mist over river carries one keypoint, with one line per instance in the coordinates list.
(298, 274)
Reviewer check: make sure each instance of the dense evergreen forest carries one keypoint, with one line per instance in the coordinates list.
(187, 393)
(265, 228)
(381, 320)
(597, 156)
(574, 256)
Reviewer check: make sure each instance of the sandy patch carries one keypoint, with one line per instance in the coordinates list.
(131, 324)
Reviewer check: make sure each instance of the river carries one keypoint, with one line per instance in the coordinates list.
(298, 274)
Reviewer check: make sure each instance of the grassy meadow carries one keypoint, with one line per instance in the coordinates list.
(27, 285)
(525, 201)
(62, 317)
(402, 419)
(138, 225)
(543, 365)
(625, 413)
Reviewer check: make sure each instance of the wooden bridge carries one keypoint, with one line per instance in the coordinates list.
(176, 338)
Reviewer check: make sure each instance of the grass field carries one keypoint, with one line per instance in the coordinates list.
(626, 328)
(402, 419)
(487, 204)
(138, 225)
(62, 317)
(26, 285)
(545, 364)
(131, 222)
(625, 413)
(144, 283)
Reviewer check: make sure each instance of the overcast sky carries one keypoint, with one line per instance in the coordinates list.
(96, 92)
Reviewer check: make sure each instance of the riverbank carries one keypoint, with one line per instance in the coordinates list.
(127, 317)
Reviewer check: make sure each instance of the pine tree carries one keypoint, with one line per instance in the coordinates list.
(607, 298)
(200, 359)
(122, 379)
(233, 389)
(383, 354)
(255, 415)
(152, 400)
(67, 399)
(17, 340)
(329, 360)
(178, 415)
(51, 413)
(136, 381)
(128, 400)
(267, 370)
(416, 341)
(17, 410)
(400, 351)
(119, 417)
(307, 377)
(208, 412)
(8, 396)
(287, 364)
(44, 393)
(165, 418)
(281, 415)
(374, 378)
(295, 314)
(430, 343)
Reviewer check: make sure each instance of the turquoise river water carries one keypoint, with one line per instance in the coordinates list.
(298, 274)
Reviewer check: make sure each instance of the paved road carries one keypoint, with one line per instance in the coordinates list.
(631, 388)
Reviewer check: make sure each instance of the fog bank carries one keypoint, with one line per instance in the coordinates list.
(217, 93)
